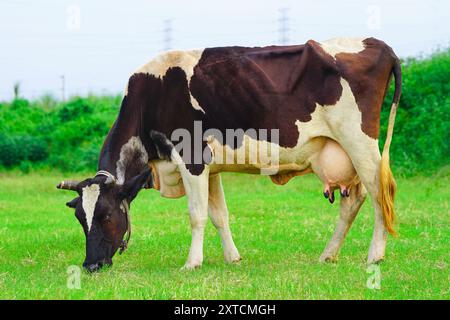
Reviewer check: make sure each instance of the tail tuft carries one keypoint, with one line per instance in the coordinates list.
(386, 196)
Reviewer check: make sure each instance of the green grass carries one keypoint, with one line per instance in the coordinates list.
(280, 232)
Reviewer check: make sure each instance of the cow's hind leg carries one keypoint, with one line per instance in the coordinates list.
(349, 208)
(366, 158)
(218, 213)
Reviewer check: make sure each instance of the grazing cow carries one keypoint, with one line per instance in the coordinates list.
(315, 106)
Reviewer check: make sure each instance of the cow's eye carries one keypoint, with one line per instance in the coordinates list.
(107, 218)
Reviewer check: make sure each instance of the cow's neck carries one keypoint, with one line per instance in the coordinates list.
(125, 151)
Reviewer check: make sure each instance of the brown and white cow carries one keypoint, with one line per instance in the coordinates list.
(322, 101)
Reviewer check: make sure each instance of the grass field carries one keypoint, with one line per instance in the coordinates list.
(279, 231)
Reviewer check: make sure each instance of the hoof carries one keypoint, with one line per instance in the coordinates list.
(235, 260)
(376, 253)
(328, 259)
(191, 266)
(233, 257)
(375, 261)
(326, 194)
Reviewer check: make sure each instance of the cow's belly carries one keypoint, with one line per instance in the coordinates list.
(262, 157)
(321, 156)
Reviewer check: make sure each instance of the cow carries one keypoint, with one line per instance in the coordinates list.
(319, 104)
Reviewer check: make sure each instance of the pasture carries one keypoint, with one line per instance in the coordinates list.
(279, 231)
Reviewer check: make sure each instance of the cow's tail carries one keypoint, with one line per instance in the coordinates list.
(387, 182)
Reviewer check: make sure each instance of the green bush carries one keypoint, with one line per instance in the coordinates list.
(67, 136)
(15, 149)
(422, 127)
(74, 109)
(10, 153)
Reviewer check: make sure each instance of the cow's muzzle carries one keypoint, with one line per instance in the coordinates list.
(93, 267)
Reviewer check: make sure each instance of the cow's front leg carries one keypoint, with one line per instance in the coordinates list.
(196, 187)
(218, 213)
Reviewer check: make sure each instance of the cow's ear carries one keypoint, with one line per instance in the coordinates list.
(73, 203)
(131, 188)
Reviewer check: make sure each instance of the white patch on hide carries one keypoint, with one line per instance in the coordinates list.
(90, 197)
(185, 60)
(127, 154)
(337, 122)
(340, 45)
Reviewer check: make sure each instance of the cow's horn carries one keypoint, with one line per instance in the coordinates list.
(68, 185)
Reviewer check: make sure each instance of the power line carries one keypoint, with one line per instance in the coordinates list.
(283, 29)
(167, 34)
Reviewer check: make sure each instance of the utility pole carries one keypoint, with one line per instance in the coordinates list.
(63, 88)
(283, 29)
(167, 34)
(16, 90)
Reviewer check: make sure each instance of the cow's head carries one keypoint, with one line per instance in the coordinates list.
(102, 207)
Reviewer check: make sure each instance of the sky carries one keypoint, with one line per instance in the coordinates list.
(96, 44)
